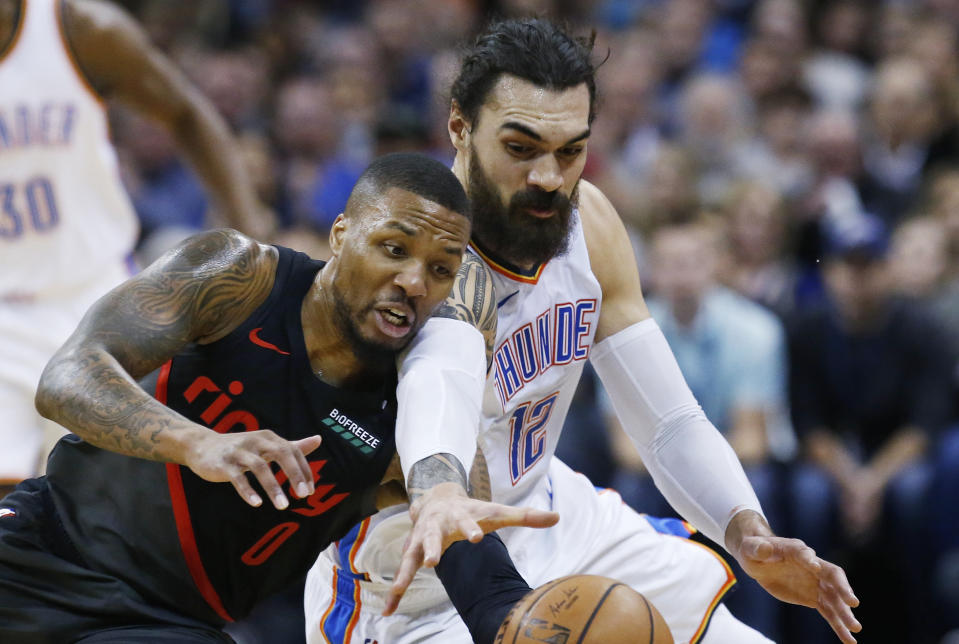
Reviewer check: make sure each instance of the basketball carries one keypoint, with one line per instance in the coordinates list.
(585, 609)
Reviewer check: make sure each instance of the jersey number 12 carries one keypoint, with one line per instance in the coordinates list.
(527, 435)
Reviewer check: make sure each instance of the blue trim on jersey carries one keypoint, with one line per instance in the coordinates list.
(506, 299)
(344, 545)
(334, 628)
(672, 526)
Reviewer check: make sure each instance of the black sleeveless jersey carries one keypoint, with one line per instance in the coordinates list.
(195, 545)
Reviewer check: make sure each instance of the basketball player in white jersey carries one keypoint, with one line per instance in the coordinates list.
(566, 289)
(67, 228)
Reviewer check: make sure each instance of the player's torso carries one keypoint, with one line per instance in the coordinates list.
(63, 211)
(259, 377)
(546, 320)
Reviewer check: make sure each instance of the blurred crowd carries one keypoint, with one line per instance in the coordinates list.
(789, 173)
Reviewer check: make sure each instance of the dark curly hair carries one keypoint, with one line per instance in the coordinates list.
(533, 49)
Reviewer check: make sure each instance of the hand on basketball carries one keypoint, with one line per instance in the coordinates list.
(790, 571)
(219, 458)
(445, 514)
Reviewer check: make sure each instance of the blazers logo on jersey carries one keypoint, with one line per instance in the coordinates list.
(559, 335)
(7, 512)
(351, 432)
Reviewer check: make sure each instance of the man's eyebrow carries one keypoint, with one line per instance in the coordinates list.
(519, 127)
(406, 230)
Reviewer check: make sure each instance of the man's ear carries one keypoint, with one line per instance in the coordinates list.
(338, 234)
(460, 129)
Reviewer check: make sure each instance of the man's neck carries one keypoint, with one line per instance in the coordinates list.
(330, 353)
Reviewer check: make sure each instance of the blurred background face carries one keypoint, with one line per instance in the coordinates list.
(683, 263)
(918, 257)
(756, 223)
(858, 287)
(902, 104)
(305, 122)
(834, 144)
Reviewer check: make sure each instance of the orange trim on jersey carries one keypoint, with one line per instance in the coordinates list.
(360, 536)
(356, 612)
(329, 609)
(513, 275)
(17, 30)
(730, 582)
(71, 56)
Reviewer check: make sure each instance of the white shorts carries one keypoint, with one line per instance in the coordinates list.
(31, 331)
(597, 534)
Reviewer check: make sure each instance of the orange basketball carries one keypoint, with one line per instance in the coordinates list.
(585, 609)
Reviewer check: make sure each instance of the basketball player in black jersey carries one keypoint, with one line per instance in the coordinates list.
(261, 372)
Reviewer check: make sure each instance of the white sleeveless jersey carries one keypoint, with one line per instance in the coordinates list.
(64, 215)
(546, 322)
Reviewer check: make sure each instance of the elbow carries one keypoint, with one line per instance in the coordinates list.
(43, 400)
(49, 390)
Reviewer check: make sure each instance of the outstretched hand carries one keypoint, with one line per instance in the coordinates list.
(790, 571)
(443, 515)
(229, 457)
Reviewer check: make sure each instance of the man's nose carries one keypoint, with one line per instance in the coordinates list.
(412, 279)
(546, 174)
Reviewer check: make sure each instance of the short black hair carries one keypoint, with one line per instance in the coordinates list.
(533, 49)
(417, 173)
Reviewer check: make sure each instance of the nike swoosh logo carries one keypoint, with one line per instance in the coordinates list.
(7, 512)
(255, 339)
(506, 299)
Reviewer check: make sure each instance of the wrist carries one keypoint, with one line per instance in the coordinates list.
(186, 444)
(745, 523)
(440, 491)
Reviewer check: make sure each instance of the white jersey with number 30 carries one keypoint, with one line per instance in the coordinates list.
(64, 215)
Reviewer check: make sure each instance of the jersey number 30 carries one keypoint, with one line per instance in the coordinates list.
(29, 205)
(527, 435)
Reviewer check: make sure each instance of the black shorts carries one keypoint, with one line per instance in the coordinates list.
(47, 596)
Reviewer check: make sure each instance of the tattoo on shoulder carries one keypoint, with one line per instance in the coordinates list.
(203, 287)
(433, 470)
(473, 300)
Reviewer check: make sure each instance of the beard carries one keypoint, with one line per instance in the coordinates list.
(377, 356)
(510, 232)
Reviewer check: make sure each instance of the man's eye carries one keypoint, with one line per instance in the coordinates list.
(393, 249)
(571, 152)
(442, 271)
(518, 149)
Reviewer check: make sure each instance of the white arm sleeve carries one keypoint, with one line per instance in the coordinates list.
(440, 390)
(690, 461)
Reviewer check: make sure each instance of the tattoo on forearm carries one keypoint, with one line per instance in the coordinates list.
(196, 291)
(479, 478)
(433, 470)
(473, 300)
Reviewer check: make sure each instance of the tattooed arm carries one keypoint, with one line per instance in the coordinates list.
(198, 292)
(473, 301)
